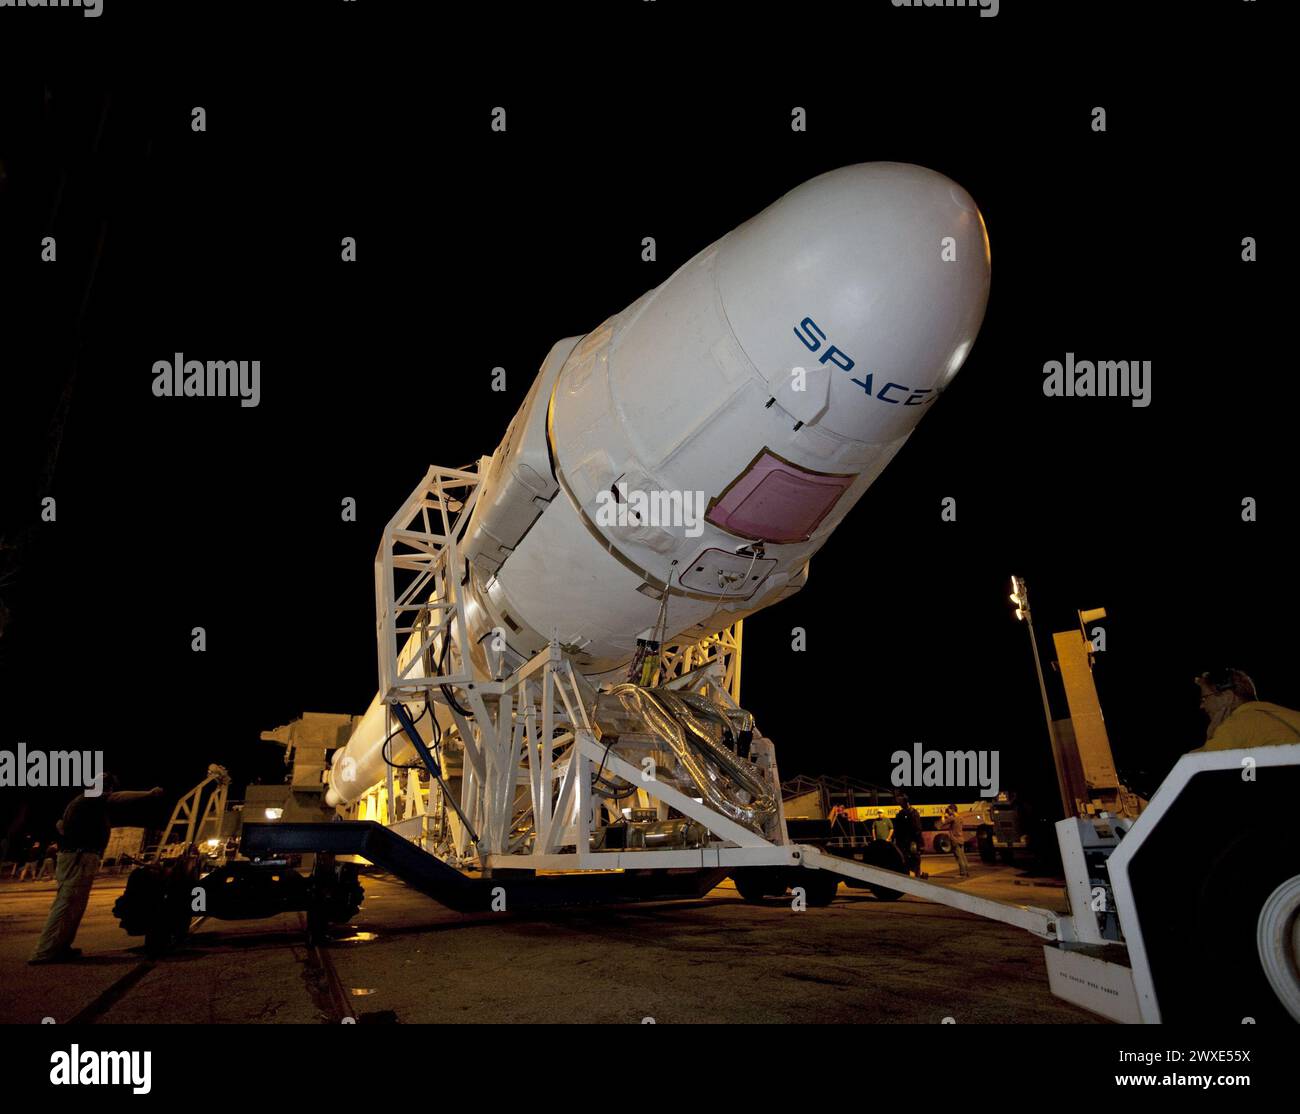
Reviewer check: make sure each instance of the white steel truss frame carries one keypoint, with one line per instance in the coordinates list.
(680, 658)
(429, 602)
(187, 815)
(520, 741)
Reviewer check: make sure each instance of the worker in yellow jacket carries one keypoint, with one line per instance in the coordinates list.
(1238, 718)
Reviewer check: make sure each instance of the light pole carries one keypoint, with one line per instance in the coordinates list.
(1020, 597)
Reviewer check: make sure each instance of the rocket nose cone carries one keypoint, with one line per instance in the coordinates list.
(878, 272)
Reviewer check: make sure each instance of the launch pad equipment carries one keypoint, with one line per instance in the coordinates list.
(775, 375)
(543, 764)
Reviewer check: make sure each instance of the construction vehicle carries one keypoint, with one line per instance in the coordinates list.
(189, 874)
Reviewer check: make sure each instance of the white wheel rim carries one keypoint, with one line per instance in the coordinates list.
(1278, 939)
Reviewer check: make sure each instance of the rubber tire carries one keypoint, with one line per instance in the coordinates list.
(942, 845)
(984, 840)
(752, 885)
(1007, 855)
(819, 887)
(1237, 880)
(880, 853)
(160, 940)
(169, 926)
(157, 943)
(317, 917)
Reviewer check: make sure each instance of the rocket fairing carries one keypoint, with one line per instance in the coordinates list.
(751, 398)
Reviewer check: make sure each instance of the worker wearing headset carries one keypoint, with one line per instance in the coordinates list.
(1238, 719)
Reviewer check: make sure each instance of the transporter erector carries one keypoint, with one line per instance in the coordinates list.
(558, 632)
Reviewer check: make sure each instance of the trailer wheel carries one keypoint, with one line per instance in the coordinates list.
(887, 856)
(819, 887)
(317, 924)
(168, 931)
(157, 942)
(942, 845)
(755, 883)
(1233, 899)
(1278, 940)
(1212, 902)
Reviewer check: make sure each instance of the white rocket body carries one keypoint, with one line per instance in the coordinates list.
(872, 279)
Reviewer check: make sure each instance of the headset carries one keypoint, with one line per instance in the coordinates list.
(1225, 678)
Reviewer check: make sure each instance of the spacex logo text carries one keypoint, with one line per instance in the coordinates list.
(812, 336)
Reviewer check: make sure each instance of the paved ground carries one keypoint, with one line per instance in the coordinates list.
(408, 960)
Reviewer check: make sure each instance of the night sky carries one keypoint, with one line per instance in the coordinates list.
(478, 250)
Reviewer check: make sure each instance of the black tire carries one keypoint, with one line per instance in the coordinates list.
(168, 922)
(753, 885)
(1007, 854)
(819, 887)
(317, 924)
(942, 845)
(1239, 877)
(984, 840)
(1198, 892)
(160, 940)
(886, 856)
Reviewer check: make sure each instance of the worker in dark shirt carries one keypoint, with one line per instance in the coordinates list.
(33, 863)
(907, 834)
(85, 829)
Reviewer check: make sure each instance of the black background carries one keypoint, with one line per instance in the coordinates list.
(478, 249)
